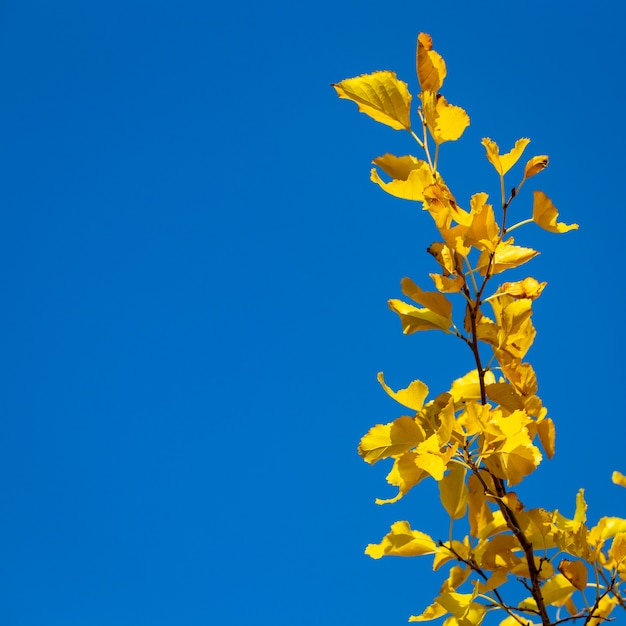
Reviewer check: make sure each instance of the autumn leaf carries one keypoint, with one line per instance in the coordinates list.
(507, 256)
(431, 68)
(404, 475)
(545, 215)
(412, 397)
(619, 479)
(575, 572)
(435, 302)
(528, 288)
(385, 440)
(381, 96)
(445, 122)
(535, 165)
(503, 163)
(402, 541)
(453, 491)
(410, 176)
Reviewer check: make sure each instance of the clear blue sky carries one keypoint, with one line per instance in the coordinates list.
(194, 271)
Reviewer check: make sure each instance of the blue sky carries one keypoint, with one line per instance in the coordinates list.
(195, 270)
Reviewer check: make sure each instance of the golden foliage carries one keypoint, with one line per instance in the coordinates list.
(481, 436)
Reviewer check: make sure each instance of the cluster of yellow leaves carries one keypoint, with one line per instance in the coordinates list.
(483, 435)
(491, 555)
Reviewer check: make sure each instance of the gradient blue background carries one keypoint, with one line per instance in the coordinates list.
(194, 271)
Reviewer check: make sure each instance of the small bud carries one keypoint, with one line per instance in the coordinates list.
(535, 165)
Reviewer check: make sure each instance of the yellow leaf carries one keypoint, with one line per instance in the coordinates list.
(462, 606)
(468, 387)
(410, 176)
(605, 606)
(431, 612)
(619, 479)
(607, 528)
(479, 514)
(575, 572)
(445, 122)
(414, 319)
(547, 435)
(506, 257)
(404, 474)
(505, 395)
(440, 203)
(537, 526)
(498, 577)
(528, 288)
(432, 300)
(412, 397)
(503, 163)
(430, 458)
(511, 500)
(483, 232)
(555, 591)
(450, 262)
(456, 577)
(431, 68)
(445, 284)
(402, 541)
(618, 550)
(453, 491)
(545, 215)
(385, 440)
(381, 96)
(535, 165)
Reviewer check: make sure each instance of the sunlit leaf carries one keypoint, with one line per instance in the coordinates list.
(404, 475)
(385, 440)
(507, 256)
(414, 319)
(468, 387)
(453, 491)
(445, 121)
(575, 572)
(505, 395)
(554, 592)
(445, 284)
(535, 165)
(440, 203)
(547, 435)
(412, 397)
(528, 288)
(431, 612)
(619, 479)
(409, 175)
(381, 96)
(503, 163)
(450, 262)
(545, 215)
(462, 606)
(605, 607)
(402, 541)
(431, 68)
(436, 302)
(483, 232)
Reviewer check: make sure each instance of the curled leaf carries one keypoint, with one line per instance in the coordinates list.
(431, 68)
(545, 214)
(535, 165)
(528, 288)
